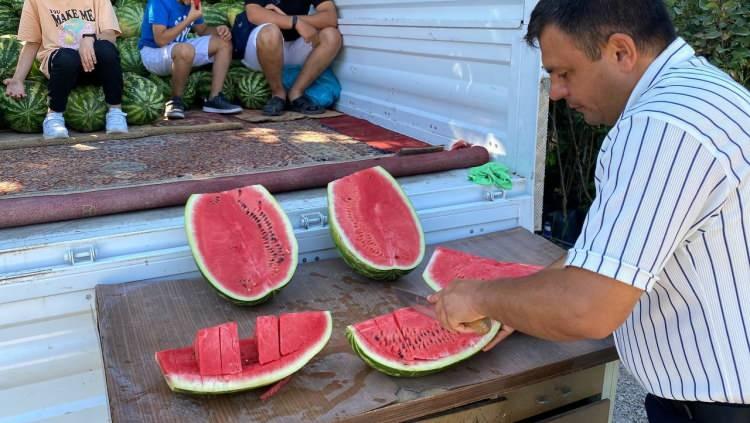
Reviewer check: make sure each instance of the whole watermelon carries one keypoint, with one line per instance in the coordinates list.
(123, 3)
(8, 19)
(163, 82)
(130, 17)
(232, 11)
(130, 56)
(26, 114)
(201, 80)
(250, 88)
(16, 6)
(215, 14)
(142, 99)
(9, 50)
(86, 109)
(36, 74)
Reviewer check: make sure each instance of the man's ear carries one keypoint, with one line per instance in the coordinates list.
(623, 51)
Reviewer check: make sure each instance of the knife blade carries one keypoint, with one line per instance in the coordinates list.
(420, 304)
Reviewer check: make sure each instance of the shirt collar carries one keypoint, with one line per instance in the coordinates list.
(676, 52)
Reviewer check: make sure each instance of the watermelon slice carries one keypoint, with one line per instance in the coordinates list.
(374, 225)
(408, 343)
(242, 242)
(217, 350)
(267, 331)
(447, 265)
(181, 370)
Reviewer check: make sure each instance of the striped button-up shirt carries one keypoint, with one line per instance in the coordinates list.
(672, 217)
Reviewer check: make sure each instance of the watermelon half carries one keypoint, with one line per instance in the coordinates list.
(242, 242)
(373, 224)
(447, 265)
(182, 373)
(408, 343)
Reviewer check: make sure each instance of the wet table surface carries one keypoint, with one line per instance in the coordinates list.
(139, 318)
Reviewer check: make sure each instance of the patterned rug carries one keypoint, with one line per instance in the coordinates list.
(174, 157)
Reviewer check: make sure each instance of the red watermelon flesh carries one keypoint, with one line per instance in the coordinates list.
(181, 370)
(294, 330)
(242, 242)
(230, 348)
(447, 265)
(267, 331)
(408, 336)
(217, 350)
(374, 225)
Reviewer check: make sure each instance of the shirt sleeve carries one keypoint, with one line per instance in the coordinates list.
(656, 185)
(30, 28)
(105, 18)
(156, 13)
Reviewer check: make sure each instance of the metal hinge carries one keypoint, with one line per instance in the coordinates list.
(81, 254)
(494, 195)
(313, 219)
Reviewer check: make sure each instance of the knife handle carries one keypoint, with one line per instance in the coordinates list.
(481, 326)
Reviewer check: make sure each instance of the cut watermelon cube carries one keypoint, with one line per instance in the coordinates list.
(207, 347)
(217, 350)
(267, 333)
(294, 329)
(230, 349)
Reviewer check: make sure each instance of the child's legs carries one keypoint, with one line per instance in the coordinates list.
(175, 59)
(108, 71)
(64, 69)
(220, 52)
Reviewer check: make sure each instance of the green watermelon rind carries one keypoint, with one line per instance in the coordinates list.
(213, 282)
(394, 368)
(427, 276)
(224, 386)
(356, 261)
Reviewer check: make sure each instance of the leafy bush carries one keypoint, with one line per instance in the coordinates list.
(718, 30)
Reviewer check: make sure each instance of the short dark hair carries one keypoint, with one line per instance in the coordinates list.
(591, 22)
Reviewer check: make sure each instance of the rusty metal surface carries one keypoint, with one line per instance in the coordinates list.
(138, 319)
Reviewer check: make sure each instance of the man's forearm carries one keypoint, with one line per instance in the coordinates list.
(322, 19)
(554, 304)
(25, 60)
(259, 15)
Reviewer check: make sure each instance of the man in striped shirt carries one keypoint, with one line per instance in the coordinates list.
(663, 260)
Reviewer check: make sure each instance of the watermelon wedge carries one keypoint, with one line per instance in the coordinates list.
(242, 242)
(447, 265)
(408, 343)
(374, 225)
(181, 370)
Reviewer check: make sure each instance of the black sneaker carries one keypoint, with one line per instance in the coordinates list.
(219, 104)
(174, 109)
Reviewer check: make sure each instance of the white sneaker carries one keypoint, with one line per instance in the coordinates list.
(116, 122)
(54, 126)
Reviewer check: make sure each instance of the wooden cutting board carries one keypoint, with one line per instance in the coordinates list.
(137, 319)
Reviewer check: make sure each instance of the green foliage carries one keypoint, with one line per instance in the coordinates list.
(718, 30)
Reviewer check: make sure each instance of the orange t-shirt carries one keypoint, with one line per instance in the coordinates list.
(61, 23)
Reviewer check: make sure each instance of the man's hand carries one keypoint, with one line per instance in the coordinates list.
(272, 7)
(457, 304)
(224, 32)
(308, 32)
(86, 51)
(14, 88)
(194, 13)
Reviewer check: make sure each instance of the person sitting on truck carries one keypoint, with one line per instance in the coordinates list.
(166, 50)
(74, 42)
(663, 259)
(285, 34)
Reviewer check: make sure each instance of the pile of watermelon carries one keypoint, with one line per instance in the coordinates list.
(144, 97)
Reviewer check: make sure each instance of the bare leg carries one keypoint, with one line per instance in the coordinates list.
(270, 44)
(317, 61)
(221, 51)
(182, 64)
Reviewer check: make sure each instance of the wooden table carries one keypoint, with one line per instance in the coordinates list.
(136, 319)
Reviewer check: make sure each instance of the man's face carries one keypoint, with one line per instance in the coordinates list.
(593, 88)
